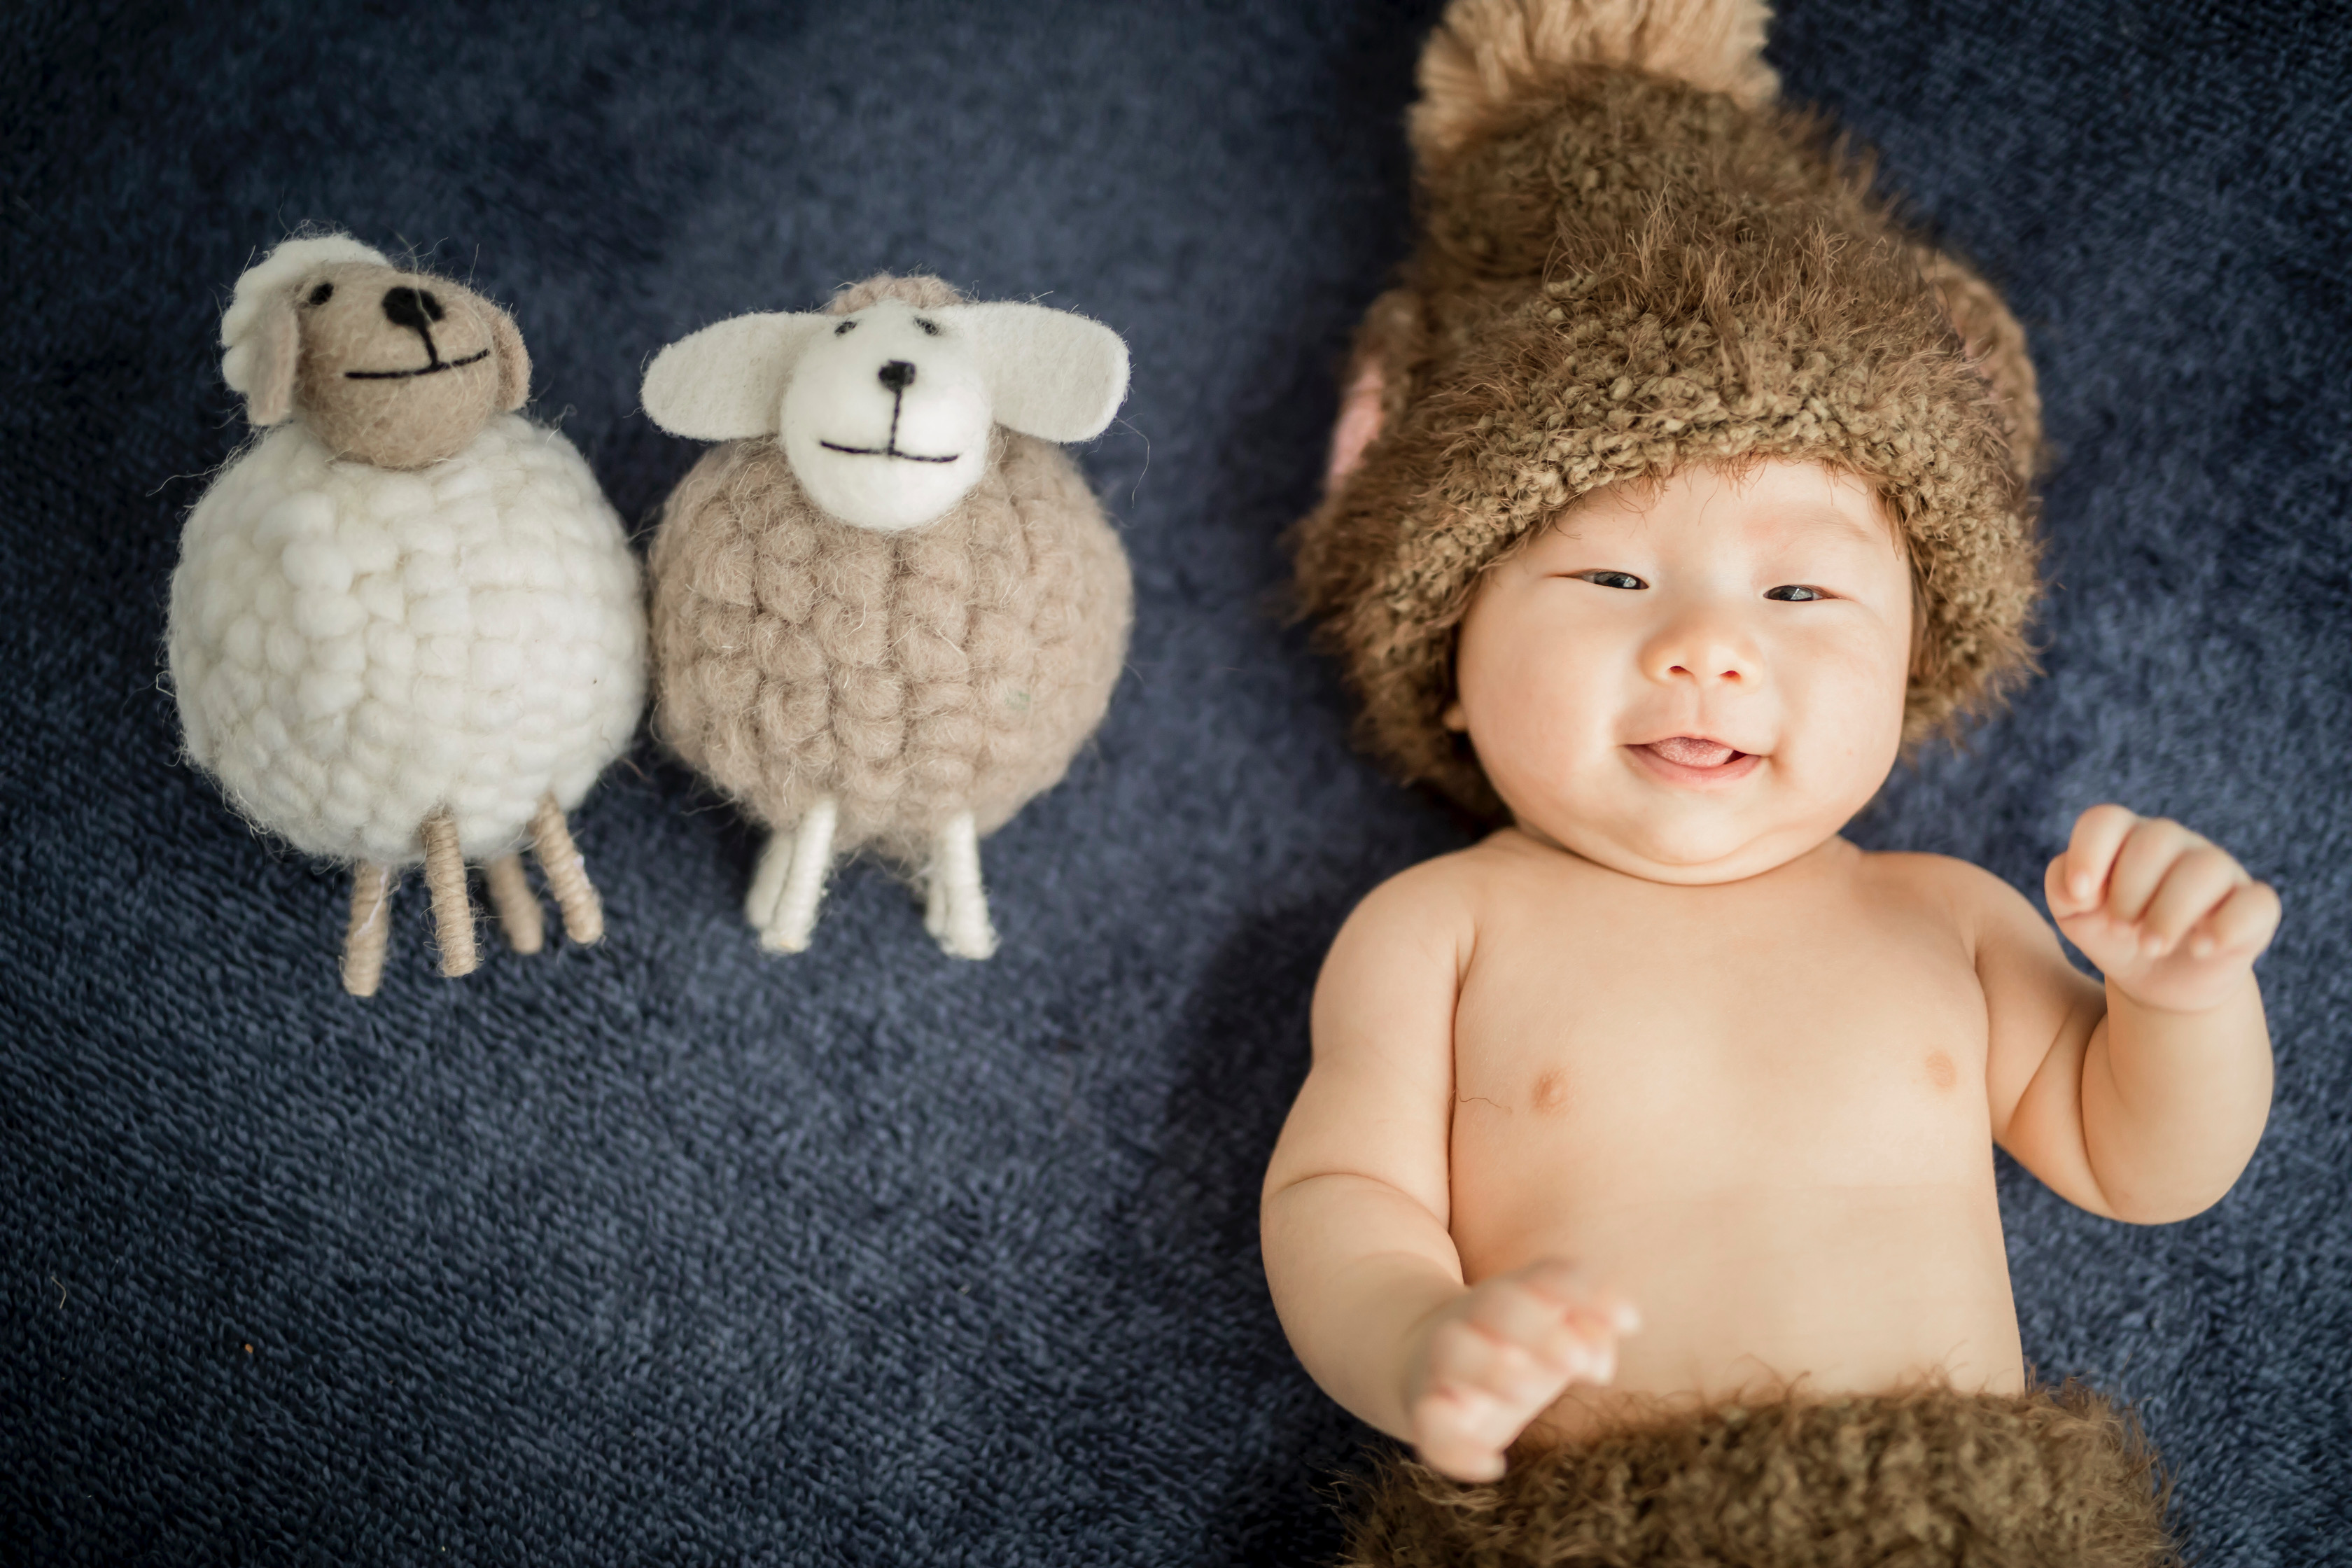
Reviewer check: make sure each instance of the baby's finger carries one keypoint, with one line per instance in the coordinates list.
(1461, 1355)
(2147, 854)
(1578, 1345)
(1464, 1462)
(1462, 1436)
(1510, 1311)
(2245, 922)
(2192, 889)
(1475, 1416)
(1575, 1289)
(2083, 870)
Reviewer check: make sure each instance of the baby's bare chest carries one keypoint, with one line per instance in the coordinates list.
(1828, 1039)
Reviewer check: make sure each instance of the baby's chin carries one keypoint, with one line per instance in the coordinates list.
(1690, 850)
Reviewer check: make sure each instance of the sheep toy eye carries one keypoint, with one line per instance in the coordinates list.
(321, 294)
(931, 328)
(843, 330)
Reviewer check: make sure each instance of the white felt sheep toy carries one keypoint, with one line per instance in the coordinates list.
(406, 624)
(889, 610)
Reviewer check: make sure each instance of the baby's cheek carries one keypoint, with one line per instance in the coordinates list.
(1850, 704)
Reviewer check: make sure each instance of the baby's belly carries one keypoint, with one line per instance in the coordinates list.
(1764, 1287)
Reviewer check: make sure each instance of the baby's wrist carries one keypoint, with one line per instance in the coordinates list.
(2218, 994)
(1414, 1346)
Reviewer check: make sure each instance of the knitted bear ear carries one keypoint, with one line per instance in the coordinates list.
(513, 359)
(1995, 346)
(1050, 374)
(726, 383)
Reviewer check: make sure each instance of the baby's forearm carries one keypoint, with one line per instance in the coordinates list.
(1356, 1270)
(2173, 1102)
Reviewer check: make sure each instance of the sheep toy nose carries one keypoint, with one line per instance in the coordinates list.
(897, 376)
(411, 307)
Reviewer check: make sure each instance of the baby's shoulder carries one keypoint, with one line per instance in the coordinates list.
(1966, 891)
(1434, 907)
(1424, 893)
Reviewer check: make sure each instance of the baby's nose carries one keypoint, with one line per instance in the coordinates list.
(1705, 649)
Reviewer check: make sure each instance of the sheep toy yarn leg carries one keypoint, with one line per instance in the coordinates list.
(520, 915)
(363, 939)
(955, 908)
(768, 880)
(453, 912)
(935, 904)
(567, 874)
(790, 883)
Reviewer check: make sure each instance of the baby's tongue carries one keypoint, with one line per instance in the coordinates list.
(1692, 752)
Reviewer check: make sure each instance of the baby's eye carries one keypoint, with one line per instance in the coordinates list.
(1613, 578)
(1794, 594)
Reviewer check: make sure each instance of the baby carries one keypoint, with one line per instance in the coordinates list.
(1645, 1164)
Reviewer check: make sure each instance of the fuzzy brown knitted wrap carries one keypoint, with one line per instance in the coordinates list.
(1620, 275)
(955, 667)
(1932, 1477)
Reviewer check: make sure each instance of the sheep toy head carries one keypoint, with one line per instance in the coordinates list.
(387, 366)
(885, 412)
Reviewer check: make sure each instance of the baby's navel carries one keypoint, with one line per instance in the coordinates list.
(1940, 1070)
(1551, 1092)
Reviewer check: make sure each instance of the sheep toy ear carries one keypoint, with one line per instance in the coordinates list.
(726, 383)
(1050, 374)
(261, 341)
(514, 361)
(273, 346)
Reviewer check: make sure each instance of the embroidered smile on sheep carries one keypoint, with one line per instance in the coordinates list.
(888, 611)
(405, 622)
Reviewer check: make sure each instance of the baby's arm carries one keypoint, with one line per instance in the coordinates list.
(1363, 1272)
(2142, 1100)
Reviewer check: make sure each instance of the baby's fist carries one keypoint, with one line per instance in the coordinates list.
(2171, 919)
(1491, 1359)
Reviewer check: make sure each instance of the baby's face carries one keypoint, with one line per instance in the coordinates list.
(1698, 685)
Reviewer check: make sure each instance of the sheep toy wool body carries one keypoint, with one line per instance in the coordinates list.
(907, 677)
(430, 658)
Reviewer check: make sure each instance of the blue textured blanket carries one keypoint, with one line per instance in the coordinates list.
(668, 1252)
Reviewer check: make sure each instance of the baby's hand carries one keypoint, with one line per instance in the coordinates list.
(2174, 922)
(1494, 1357)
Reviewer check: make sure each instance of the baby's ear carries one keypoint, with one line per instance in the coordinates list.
(514, 360)
(726, 383)
(1995, 345)
(1388, 345)
(272, 355)
(1361, 419)
(1050, 374)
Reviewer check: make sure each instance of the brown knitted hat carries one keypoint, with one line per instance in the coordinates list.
(1620, 273)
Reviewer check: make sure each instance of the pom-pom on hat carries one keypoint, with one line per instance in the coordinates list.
(1622, 272)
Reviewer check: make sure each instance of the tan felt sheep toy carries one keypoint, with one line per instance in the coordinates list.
(889, 610)
(406, 624)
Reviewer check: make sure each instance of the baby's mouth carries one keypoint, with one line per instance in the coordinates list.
(1690, 752)
(1695, 761)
